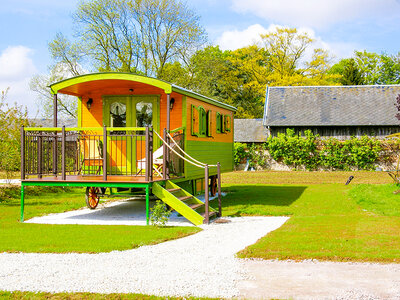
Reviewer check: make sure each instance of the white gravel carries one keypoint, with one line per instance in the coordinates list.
(202, 264)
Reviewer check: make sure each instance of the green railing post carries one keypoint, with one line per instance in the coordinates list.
(22, 203)
(22, 153)
(147, 205)
(206, 191)
(219, 189)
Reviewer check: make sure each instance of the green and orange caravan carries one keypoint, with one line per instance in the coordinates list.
(135, 134)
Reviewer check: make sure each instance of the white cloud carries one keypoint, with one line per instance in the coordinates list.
(16, 69)
(317, 13)
(235, 39)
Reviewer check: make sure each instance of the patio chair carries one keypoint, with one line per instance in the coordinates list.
(91, 156)
(157, 163)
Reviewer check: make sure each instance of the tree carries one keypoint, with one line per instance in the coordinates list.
(136, 36)
(351, 75)
(286, 55)
(12, 117)
(66, 105)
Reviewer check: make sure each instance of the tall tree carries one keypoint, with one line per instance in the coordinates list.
(351, 74)
(135, 36)
(12, 117)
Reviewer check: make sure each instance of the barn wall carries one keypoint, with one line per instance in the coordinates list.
(341, 132)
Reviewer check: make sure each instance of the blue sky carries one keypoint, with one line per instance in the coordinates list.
(341, 26)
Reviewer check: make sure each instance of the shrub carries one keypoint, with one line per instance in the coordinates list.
(159, 214)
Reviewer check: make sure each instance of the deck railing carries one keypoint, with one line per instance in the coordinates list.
(107, 151)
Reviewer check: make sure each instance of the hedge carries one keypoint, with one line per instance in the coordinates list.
(310, 152)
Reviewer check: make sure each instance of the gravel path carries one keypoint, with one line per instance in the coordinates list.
(200, 265)
(271, 279)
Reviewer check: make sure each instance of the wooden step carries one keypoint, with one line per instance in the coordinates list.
(185, 198)
(210, 214)
(196, 205)
(173, 190)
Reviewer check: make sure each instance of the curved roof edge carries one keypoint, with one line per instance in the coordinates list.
(55, 87)
(167, 87)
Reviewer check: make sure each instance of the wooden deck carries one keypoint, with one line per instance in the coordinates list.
(97, 179)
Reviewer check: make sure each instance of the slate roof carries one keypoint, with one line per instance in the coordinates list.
(249, 131)
(365, 105)
(49, 122)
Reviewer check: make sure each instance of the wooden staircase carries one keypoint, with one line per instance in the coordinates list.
(183, 202)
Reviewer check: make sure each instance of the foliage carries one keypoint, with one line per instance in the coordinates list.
(373, 68)
(136, 36)
(29, 237)
(351, 74)
(159, 214)
(12, 117)
(311, 152)
(239, 153)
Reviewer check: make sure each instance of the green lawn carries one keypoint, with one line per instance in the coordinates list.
(85, 296)
(25, 237)
(358, 222)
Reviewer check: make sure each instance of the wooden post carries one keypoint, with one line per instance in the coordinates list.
(63, 175)
(55, 171)
(206, 192)
(105, 153)
(147, 205)
(168, 112)
(165, 156)
(22, 153)
(55, 110)
(219, 189)
(39, 154)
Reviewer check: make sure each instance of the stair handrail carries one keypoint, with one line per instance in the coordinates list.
(202, 166)
(185, 159)
(195, 160)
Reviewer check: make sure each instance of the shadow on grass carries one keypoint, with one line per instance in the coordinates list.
(261, 200)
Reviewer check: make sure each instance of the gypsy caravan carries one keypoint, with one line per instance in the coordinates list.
(134, 132)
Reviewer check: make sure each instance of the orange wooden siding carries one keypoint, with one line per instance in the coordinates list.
(226, 137)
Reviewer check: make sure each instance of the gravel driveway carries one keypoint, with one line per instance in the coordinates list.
(202, 264)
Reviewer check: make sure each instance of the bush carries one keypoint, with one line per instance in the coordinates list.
(311, 152)
(159, 214)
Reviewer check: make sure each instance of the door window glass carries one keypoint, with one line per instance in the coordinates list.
(118, 114)
(144, 114)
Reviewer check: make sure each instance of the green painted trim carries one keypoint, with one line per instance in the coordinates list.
(85, 184)
(176, 204)
(22, 203)
(79, 112)
(55, 87)
(177, 129)
(202, 98)
(147, 205)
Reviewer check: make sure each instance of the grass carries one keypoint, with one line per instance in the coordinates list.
(328, 221)
(85, 296)
(25, 237)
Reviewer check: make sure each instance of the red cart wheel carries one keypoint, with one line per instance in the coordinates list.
(213, 185)
(92, 197)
